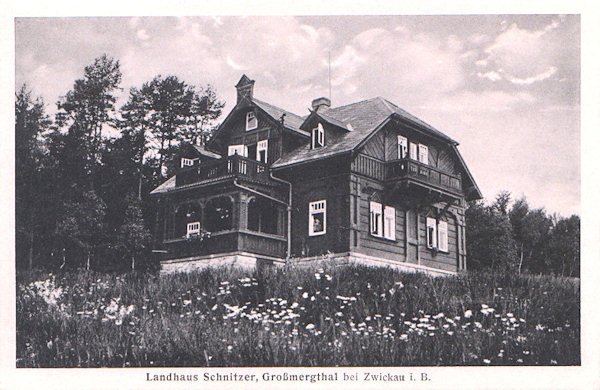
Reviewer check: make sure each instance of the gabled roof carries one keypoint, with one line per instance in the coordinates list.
(164, 187)
(203, 152)
(362, 119)
(291, 121)
(328, 119)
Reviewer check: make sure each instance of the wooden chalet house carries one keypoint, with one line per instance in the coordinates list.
(366, 182)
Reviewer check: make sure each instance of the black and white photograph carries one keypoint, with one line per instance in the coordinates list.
(327, 200)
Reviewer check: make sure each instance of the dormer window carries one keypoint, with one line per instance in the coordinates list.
(318, 137)
(251, 121)
(187, 162)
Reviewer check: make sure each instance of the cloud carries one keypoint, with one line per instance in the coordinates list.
(142, 34)
(524, 56)
(491, 75)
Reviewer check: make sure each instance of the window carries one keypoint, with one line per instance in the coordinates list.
(383, 221)
(402, 146)
(251, 121)
(376, 219)
(187, 162)
(261, 151)
(317, 217)
(193, 229)
(318, 136)
(431, 233)
(413, 151)
(423, 154)
(389, 223)
(241, 150)
(443, 236)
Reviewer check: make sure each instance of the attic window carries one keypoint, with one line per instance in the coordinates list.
(187, 162)
(251, 121)
(318, 137)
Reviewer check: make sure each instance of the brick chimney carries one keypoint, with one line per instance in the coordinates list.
(320, 102)
(245, 88)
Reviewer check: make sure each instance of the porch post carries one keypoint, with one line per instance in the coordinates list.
(241, 208)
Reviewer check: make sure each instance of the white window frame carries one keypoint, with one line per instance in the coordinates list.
(193, 228)
(389, 223)
(318, 137)
(414, 155)
(376, 219)
(187, 162)
(314, 208)
(423, 154)
(241, 150)
(251, 121)
(262, 146)
(431, 233)
(402, 146)
(443, 236)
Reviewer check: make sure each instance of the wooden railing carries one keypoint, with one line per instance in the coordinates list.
(407, 168)
(231, 166)
(226, 242)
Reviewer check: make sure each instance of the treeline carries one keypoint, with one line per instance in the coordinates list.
(521, 239)
(84, 174)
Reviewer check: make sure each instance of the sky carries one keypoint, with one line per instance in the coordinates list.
(506, 87)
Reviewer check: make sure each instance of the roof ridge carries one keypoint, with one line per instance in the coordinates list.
(387, 104)
(352, 104)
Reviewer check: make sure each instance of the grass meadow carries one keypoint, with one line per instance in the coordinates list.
(343, 316)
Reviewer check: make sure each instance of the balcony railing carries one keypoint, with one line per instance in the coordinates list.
(231, 166)
(407, 168)
(226, 242)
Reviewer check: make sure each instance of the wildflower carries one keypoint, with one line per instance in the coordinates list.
(539, 327)
(310, 326)
(438, 316)
(486, 361)
(305, 295)
(404, 337)
(187, 302)
(318, 276)
(468, 314)
(229, 348)
(328, 277)
(552, 361)
(519, 360)
(312, 298)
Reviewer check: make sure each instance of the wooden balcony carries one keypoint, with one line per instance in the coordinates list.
(232, 166)
(417, 172)
(226, 242)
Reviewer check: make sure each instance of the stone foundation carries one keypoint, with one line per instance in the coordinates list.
(250, 261)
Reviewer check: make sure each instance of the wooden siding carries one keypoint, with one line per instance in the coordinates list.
(334, 190)
(375, 147)
(410, 243)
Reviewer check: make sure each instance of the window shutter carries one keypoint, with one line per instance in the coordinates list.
(389, 217)
(376, 222)
(423, 154)
(402, 146)
(413, 151)
(443, 236)
(187, 162)
(431, 233)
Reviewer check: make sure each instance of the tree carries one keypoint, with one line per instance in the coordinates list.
(81, 221)
(30, 122)
(169, 102)
(89, 106)
(564, 247)
(133, 236)
(490, 242)
(205, 110)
